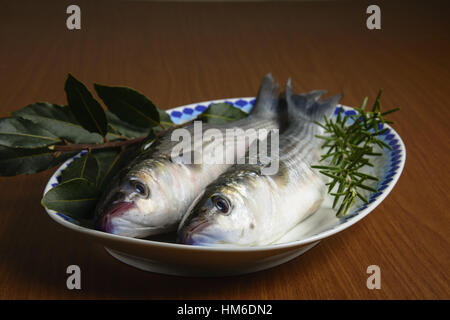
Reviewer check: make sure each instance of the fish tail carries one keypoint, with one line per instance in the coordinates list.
(308, 106)
(266, 104)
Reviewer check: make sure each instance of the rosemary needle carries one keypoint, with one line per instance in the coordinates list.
(349, 140)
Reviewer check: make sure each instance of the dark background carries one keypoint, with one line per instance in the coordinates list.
(180, 53)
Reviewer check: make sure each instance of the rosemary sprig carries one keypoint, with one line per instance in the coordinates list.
(349, 141)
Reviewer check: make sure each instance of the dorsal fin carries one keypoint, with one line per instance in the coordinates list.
(308, 106)
(266, 104)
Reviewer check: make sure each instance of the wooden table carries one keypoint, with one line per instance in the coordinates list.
(179, 53)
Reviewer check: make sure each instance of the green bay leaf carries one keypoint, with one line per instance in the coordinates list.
(85, 167)
(15, 161)
(22, 133)
(164, 118)
(76, 198)
(129, 105)
(110, 162)
(59, 121)
(219, 113)
(125, 129)
(106, 159)
(84, 107)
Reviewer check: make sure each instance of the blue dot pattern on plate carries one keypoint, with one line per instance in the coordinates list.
(181, 115)
(393, 157)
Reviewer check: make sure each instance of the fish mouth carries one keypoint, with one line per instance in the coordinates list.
(191, 235)
(104, 222)
(118, 219)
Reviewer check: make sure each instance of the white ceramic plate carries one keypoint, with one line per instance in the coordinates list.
(171, 258)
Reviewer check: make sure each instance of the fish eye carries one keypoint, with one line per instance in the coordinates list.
(140, 188)
(222, 204)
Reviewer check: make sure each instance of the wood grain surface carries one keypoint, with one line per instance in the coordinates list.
(180, 53)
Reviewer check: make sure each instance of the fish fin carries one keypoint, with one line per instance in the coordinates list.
(266, 104)
(324, 108)
(308, 106)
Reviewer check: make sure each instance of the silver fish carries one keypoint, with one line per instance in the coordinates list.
(151, 194)
(247, 208)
